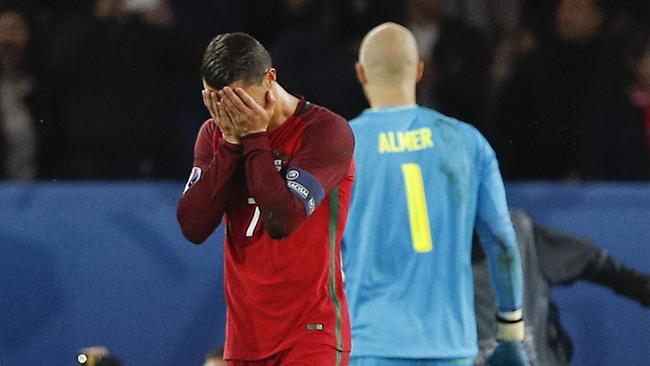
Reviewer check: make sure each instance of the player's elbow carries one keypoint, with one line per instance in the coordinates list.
(193, 236)
(277, 232)
(191, 233)
(190, 230)
(278, 224)
(280, 229)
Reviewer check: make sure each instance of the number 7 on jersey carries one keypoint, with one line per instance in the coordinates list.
(254, 220)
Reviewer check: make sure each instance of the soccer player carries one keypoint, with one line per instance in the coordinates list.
(279, 170)
(423, 182)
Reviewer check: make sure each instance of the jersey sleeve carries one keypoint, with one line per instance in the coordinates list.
(322, 161)
(497, 234)
(565, 259)
(208, 189)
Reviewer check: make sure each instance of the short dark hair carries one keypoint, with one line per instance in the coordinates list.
(234, 56)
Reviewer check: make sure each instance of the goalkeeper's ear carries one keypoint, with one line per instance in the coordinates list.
(361, 73)
(420, 72)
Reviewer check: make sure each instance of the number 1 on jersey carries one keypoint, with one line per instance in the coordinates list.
(417, 205)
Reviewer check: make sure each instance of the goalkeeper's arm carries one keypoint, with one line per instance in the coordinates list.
(507, 279)
(500, 244)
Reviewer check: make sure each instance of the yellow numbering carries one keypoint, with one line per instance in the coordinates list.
(417, 205)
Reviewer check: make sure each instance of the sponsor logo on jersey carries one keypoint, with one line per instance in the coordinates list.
(298, 188)
(316, 326)
(195, 175)
(293, 174)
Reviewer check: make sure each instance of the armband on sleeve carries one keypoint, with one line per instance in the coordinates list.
(306, 187)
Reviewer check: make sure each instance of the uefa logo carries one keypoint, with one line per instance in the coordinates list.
(293, 174)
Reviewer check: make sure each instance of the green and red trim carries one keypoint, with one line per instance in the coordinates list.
(333, 230)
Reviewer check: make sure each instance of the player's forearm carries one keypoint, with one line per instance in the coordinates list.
(507, 278)
(282, 212)
(505, 264)
(498, 236)
(201, 208)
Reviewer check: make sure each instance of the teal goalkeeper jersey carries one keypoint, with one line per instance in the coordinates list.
(423, 182)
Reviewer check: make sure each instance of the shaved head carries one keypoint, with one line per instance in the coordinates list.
(389, 55)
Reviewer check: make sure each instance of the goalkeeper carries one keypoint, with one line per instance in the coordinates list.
(424, 182)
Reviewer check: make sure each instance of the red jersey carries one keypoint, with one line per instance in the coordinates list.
(285, 196)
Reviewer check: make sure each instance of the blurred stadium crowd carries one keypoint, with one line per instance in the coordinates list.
(110, 89)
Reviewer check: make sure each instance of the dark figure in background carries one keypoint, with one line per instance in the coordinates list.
(113, 60)
(640, 93)
(457, 62)
(355, 18)
(299, 50)
(566, 113)
(550, 258)
(25, 109)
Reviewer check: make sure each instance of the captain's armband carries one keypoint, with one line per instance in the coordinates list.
(306, 187)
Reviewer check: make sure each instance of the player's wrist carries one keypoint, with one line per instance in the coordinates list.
(510, 326)
(252, 135)
(256, 142)
(232, 140)
(245, 133)
(236, 148)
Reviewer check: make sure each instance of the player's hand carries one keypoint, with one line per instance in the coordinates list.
(245, 113)
(211, 101)
(508, 354)
(510, 349)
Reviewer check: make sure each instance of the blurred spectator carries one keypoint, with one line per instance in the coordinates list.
(25, 114)
(97, 356)
(566, 114)
(641, 89)
(495, 18)
(423, 19)
(355, 17)
(457, 62)
(328, 80)
(113, 61)
(215, 358)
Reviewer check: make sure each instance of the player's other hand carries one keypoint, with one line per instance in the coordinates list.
(510, 349)
(246, 114)
(508, 354)
(211, 101)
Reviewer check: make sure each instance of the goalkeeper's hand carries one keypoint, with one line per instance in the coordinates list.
(510, 349)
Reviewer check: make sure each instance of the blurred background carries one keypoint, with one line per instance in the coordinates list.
(110, 89)
(100, 104)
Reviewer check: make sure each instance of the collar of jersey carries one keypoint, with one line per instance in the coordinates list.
(397, 108)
